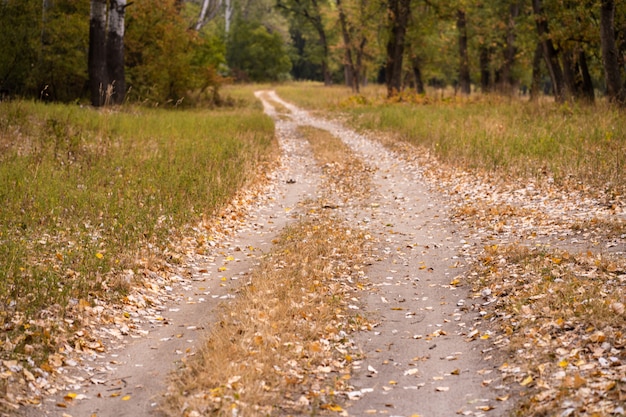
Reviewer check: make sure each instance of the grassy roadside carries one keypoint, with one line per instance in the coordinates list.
(90, 194)
(570, 145)
(283, 345)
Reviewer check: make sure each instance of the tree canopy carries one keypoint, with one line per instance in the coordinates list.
(180, 50)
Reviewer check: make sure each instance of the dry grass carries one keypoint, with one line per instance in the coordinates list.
(283, 343)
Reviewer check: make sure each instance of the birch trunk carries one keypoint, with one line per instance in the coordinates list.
(97, 52)
(115, 51)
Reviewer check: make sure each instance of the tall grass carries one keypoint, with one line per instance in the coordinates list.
(570, 144)
(84, 193)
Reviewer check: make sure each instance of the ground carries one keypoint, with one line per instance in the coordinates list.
(428, 350)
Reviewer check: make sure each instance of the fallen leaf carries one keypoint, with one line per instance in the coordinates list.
(332, 407)
(527, 381)
(442, 389)
(485, 407)
(126, 398)
(70, 396)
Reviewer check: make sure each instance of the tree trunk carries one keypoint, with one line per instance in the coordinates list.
(398, 11)
(535, 87)
(507, 83)
(228, 15)
(352, 77)
(359, 70)
(417, 73)
(615, 91)
(465, 82)
(115, 51)
(550, 54)
(316, 20)
(485, 72)
(587, 84)
(97, 67)
(209, 10)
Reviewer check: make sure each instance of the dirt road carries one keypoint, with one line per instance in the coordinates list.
(424, 355)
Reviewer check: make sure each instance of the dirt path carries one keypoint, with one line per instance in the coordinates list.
(423, 357)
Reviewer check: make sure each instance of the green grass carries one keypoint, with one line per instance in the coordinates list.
(572, 144)
(86, 193)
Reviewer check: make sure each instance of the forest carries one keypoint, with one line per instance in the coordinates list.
(173, 52)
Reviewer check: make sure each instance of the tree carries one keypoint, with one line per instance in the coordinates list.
(98, 76)
(209, 10)
(550, 54)
(167, 62)
(115, 51)
(464, 71)
(310, 11)
(352, 75)
(107, 81)
(615, 90)
(398, 12)
(255, 54)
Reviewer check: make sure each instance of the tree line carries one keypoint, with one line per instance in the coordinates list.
(173, 51)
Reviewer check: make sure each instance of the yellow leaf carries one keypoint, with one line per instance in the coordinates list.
(563, 363)
(484, 407)
(230, 258)
(59, 257)
(332, 407)
(485, 336)
(527, 381)
(455, 282)
(223, 278)
(99, 255)
(70, 396)
(126, 398)
(115, 394)
(221, 268)
(315, 347)
(392, 382)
